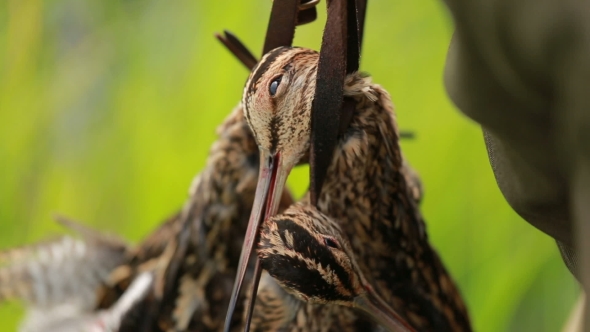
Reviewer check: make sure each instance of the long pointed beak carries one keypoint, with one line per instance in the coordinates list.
(373, 305)
(271, 182)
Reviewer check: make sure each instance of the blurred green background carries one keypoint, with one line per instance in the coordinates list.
(108, 109)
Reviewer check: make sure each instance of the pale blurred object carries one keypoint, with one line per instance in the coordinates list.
(576, 319)
(58, 280)
(60, 318)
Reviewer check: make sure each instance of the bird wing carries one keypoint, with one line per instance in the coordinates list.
(59, 278)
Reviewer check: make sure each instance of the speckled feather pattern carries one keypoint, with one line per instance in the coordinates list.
(299, 235)
(278, 309)
(220, 199)
(369, 189)
(295, 237)
(369, 192)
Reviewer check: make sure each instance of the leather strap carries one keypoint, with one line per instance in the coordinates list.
(285, 16)
(307, 12)
(339, 55)
(281, 26)
(353, 50)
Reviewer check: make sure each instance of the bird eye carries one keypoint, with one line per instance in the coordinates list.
(274, 85)
(332, 243)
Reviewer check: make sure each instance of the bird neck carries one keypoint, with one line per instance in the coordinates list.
(365, 180)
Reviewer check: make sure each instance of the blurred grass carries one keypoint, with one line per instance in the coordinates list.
(108, 109)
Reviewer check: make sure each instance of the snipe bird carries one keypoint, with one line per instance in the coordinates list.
(364, 189)
(307, 254)
(194, 296)
(219, 203)
(276, 309)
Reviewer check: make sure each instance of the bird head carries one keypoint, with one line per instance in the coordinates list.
(306, 253)
(277, 103)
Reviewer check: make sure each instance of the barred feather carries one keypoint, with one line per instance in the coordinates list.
(60, 277)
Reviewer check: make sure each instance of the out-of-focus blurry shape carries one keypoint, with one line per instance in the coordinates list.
(576, 318)
(58, 280)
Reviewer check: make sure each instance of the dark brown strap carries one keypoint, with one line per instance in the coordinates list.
(307, 12)
(280, 32)
(353, 50)
(361, 13)
(281, 26)
(339, 55)
(327, 102)
(284, 17)
(356, 22)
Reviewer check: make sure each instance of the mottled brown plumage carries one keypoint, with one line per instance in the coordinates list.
(307, 254)
(278, 309)
(217, 210)
(275, 308)
(281, 311)
(365, 189)
(194, 296)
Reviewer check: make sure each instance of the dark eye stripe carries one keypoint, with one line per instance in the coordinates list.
(295, 274)
(263, 66)
(307, 245)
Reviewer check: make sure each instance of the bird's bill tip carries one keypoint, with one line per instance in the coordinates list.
(269, 190)
(374, 306)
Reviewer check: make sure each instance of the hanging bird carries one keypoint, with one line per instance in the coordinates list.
(278, 309)
(195, 297)
(192, 256)
(364, 188)
(307, 254)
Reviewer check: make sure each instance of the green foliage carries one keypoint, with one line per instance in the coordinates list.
(108, 109)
